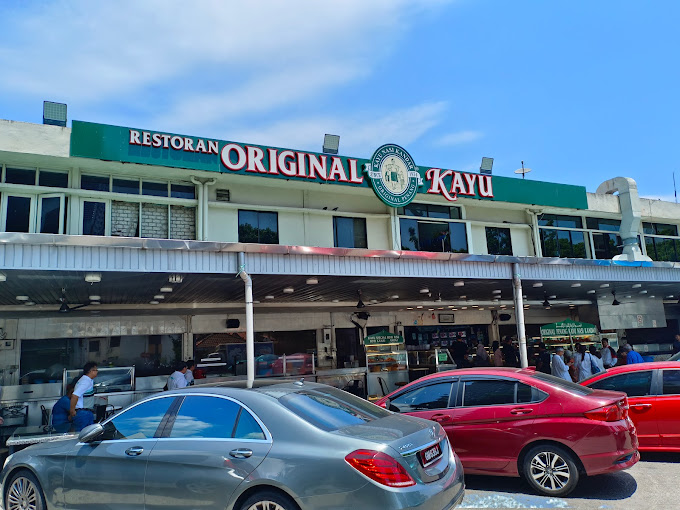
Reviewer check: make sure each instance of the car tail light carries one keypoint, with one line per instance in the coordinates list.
(380, 467)
(612, 412)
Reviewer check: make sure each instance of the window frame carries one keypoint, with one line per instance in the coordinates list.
(654, 384)
(498, 229)
(660, 391)
(107, 215)
(537, 395)
(354, 220)
(453, 393)
(257, 212)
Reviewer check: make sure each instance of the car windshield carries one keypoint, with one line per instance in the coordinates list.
(562, 383)
(332, 409)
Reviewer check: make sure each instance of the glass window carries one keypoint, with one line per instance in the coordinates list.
(205, 417)
(50, 214)
(331, 409)
(349, 232)
(524, 393)
(549, 243)
(183, 191)
(409, 235)
(565, 385)
(557, 220)
(563, 243)
(666, 230)
(438, 211)
(498, 241)
(671, 382)
(603, 224)
(488, 392)
(434, 236)
(18, 214)
(94, 218)
(94, 182)
(19, 176)
(661, 249)
(458, 238)
(258, 227)
(53, 179)
(247, 427)
(634, 384)
(607, 245)
(432, 396)
(139, 422)
(430, 211)
(156, 189)
(126, 186)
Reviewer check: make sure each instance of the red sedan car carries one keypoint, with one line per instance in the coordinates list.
(653, 391)
(513, 422)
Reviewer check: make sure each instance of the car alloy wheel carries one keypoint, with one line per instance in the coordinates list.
(550, 470)
(268, 500)
(24, 493)
(266, 505)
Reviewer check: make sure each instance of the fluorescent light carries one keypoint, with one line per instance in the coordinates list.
(637, 285)
(269, 296)
(591, 292)
(95, 298)
(537, 284)
(166, 289)
(288, 290)
(497, 291)
(3, 277)
(159, 296)
(153, 302)
(604, 285)
(22, 298)
(396, 296)
(459, 284)
(175, 278)
(424, 290)
(93, 277)
(312, 281)
(575, 285)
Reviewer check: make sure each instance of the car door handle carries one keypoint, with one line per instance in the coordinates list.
(521, 410)
(134, 451)
(441, 418)
(640, 406)
(241, 453)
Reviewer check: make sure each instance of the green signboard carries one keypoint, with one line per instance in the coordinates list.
(568, 328)
(391, 171)
(382, 338)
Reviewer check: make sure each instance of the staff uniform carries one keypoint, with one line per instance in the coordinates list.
(177, 381)
(84, 390)
(559, 368)
(583, 366)
(607, 359)
(189, 376)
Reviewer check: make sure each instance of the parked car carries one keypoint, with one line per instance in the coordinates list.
(296, 364)
(514, 422)
(653, 391)
(293, 446)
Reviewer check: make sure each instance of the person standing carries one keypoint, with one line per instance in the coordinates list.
(543, 362)
(82, 400)
(482, 357)
(459, 349)
(584, 363)
(189, 375)
(676, 344)
(497, 355)
(608, 354)
(632, 356)
(177, 380)
(509, 353)
(596, 357)
(559, 367)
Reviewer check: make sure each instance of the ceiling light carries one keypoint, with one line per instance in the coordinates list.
(159, 296)
(643, 292)
(670, 296)
(22, 298)
(637, 285)
(463, 297)
(464, 308)
(374, 301)
(575, 285)
(269, 296)
(410, 308)
(628, 296)
(475, 306)
(459, 284)
(481, 308)
(176, 278)
(166, 289)
(524, 296)
(552, 297)
(591, 292)
(93, 277)
(288, 290)
(431, 309)
(652, 297)
(3, 277)
(256, 301)
(153, 302)
(604, 285)
(95, 302)
(497, 291)
(312, 281)
(424, 290)
(394, 296)
(504, 306)
(537, 284)
(95, 298)
(332, 301)
(29, 303)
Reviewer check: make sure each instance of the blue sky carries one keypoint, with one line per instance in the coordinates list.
(580, 90)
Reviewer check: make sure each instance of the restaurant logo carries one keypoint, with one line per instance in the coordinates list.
(393, 175)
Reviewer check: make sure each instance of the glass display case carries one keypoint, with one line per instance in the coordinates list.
(428, 361)
(386, 363)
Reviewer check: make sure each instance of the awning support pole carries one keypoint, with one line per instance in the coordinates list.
(519, 315)
(250, 338)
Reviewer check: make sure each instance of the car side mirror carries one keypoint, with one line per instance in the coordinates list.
(90, 433)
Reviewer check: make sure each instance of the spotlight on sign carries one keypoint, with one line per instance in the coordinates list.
(331, 144)
(487, 165)
(54, 114)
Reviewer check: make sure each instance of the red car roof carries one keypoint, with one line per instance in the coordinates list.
(652, 365)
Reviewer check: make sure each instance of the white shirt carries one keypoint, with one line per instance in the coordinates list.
(607, 358)
(559, 368)
(481, 353)
(583, 366)
(177, 381)
(84, 390)
(189, 376)
(498, 358)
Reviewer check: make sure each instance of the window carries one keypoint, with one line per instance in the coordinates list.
(557, 220)
(247, 427)
(563, 243)
(126, 186)
(19, 176)
(205, 417)
(18, 213)
(432, 396)
(53, 179)
(183, 191)
(488, 392)
(94, 182)
(430, 211)
(331, 409)
(94, 218)
(156, 189)
(139, 422)
(603, 224)
(607, 246)
(671, 382)
(431, 236)
(498, 241)
(662, 248)
(660, 229)
(565, 385)
(94, 346)
(525, 393)
(349, 232)
(634, 384)
(258, 227)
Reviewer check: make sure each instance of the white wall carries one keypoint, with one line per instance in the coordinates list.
(34, 138)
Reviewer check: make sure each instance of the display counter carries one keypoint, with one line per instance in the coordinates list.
(386, 364)
(428, 361)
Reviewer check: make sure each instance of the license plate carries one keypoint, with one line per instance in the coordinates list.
(430, 455)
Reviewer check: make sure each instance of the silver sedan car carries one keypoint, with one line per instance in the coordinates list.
(292, 446)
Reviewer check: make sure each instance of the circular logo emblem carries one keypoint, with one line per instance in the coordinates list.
(394, 175)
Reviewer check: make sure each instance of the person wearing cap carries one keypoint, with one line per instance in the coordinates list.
(632, 357)
(559, 368)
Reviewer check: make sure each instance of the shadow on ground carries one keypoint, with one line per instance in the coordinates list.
(660, 457)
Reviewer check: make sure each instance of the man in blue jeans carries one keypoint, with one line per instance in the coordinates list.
(82, 400)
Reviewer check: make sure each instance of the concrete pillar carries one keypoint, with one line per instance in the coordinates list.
(519, 314)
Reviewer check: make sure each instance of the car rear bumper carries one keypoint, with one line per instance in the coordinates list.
(610, 461)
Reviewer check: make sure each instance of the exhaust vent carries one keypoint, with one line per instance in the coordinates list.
(223, 195)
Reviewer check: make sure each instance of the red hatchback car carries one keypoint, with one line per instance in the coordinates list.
(653, 391)
(513, 422)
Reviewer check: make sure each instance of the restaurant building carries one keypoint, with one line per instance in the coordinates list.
(129, 247)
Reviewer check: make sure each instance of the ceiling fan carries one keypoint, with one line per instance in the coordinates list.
(65, 308)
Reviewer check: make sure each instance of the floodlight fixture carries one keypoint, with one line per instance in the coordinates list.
(54, 114)
(487, 165)
(331, 144)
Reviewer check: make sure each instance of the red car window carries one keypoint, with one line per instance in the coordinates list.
(671, 382)
(488, 392)
(432, 396)
(634, 384)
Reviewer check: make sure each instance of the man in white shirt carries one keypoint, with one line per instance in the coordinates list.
(177, 380)
(609, 358)
(559, 368)
(189, 375)
(82, 399)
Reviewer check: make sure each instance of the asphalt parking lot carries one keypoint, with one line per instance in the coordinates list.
(654, 482)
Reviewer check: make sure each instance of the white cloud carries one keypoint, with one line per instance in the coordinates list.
(458, 138)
